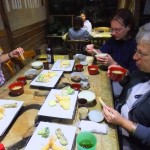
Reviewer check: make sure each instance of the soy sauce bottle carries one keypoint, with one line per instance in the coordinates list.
(50, 56)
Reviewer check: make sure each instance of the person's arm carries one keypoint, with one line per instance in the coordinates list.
(12, 54)
(4, 57)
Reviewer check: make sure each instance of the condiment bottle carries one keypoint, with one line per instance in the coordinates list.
(50, 57)
(85, 84)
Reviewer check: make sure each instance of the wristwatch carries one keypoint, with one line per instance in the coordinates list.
(134, 128)
(10, 55)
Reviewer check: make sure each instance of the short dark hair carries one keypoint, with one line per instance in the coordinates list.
(125, 17)
(77, 23)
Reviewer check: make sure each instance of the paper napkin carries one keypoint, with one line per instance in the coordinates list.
(93, 127)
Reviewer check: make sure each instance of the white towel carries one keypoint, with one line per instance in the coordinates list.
(93, 127)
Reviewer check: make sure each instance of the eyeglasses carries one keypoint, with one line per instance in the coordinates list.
(117, 30)
(140, 54)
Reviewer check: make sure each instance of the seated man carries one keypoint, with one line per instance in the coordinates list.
(134, 101)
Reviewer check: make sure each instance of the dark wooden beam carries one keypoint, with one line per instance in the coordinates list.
(6, 25)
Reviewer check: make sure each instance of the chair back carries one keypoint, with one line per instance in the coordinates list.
(102, 29)
(76, 46)
(13, 66)
(28, 54)
(10, 66)
(98, 42)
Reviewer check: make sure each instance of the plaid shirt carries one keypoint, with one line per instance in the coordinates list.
(2, 79)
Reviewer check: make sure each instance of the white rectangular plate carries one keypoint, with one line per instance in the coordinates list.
(49, 84)
(57, 111)
(56, 65)
(9, 114)
(37, 142)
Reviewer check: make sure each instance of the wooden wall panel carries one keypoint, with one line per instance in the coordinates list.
(4, 43)
(27, 37)
(30, 37)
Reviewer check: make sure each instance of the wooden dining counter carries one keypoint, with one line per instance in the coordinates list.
(23, 126)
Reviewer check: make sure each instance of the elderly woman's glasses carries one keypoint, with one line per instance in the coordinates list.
(140, 54)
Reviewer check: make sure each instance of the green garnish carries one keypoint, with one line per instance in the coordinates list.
(44, 132)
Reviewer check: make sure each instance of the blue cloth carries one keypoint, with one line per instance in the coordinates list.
(139, 113)
(121, 51)
(81, 34)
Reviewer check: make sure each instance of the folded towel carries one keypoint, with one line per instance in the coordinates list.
(93, 127)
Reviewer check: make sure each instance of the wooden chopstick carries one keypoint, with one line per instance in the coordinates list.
(104, 105)
(95, 51)
(22, 57)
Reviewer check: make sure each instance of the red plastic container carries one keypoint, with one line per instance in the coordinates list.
(117, 73)
(16, 88)
(2, 147)
(22, 79)
(93, 69)
(76, 86)
(79, 67)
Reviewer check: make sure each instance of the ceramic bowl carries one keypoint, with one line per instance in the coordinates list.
(95, 116)
(81, 102)
(30, 74)
(81, 57)
(37, 64)
(102, 55)
(88, 95)
(76, 76)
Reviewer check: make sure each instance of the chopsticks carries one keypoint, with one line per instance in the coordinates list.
(95, 51)
(22, 57)
(21, 54)
(104, 105)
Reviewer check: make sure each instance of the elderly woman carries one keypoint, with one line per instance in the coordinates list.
(5, 57)
(121, 46)
(134, 102)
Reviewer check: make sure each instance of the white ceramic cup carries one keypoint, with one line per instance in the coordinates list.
(83, 112)
(101, 55)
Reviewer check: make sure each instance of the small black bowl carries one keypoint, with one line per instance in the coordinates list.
(76, 78)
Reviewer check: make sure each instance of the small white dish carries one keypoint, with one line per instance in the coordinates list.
(31, 73)
(76, 76)
(37, 64)
(81, 57)
(84, 63)
(88, 95)
(95, 116)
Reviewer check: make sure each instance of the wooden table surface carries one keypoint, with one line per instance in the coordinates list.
(23, 126)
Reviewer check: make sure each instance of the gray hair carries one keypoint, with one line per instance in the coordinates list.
(143, 35)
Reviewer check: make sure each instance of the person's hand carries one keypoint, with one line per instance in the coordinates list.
(17, 52)
(106, 61)
(115, 118)
(109, 68)
(89, 48)
(114, 75)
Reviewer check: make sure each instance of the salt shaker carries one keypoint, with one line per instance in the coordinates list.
(84, 83)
